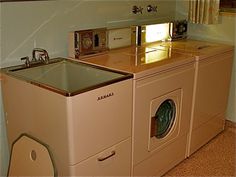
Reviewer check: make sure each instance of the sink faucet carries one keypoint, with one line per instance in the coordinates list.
(42, 55)
(39, 56)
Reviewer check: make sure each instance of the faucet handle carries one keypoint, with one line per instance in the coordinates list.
(151, 8)
(137, 9)
(27, 61)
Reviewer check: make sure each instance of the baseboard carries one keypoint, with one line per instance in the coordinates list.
(230, 124)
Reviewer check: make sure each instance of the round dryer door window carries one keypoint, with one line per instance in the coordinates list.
(164, 118)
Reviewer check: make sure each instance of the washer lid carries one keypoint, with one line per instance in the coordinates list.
(199, 49)
(141, 61)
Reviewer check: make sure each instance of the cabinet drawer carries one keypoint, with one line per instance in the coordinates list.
(114, 161)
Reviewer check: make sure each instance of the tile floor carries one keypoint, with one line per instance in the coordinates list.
(217, 158)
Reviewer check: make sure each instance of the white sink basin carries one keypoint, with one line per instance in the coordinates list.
(68, 77)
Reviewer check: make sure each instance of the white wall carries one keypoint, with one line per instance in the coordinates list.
(225, 32)
(25, 25)
(4, 153)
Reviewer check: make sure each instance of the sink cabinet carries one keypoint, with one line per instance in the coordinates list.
(79, 130)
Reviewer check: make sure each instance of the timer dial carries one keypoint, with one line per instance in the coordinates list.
(87, 42)
(90, 41)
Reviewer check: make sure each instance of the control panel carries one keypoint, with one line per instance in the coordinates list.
(87, 42)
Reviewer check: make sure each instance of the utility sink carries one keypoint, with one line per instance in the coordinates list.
(82, 112)
(67, 77)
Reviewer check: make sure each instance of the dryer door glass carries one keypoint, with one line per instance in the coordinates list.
(163, 120)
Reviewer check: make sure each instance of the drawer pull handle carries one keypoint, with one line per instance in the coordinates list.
(107, 157)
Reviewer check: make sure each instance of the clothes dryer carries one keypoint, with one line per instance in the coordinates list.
(211, 90)
(163, 90)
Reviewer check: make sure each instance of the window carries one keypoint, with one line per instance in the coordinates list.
(228, 6)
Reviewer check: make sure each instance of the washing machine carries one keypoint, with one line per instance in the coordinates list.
(211, 87)
(162, 98)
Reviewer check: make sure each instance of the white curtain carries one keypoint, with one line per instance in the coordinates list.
(204, 11)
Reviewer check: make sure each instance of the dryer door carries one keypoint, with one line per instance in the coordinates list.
(164, 118)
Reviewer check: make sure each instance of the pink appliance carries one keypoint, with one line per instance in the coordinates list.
(211, 87)
(162, 99)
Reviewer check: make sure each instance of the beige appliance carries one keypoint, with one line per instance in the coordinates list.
(211, 87)
(82, 112)
(162, 98)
